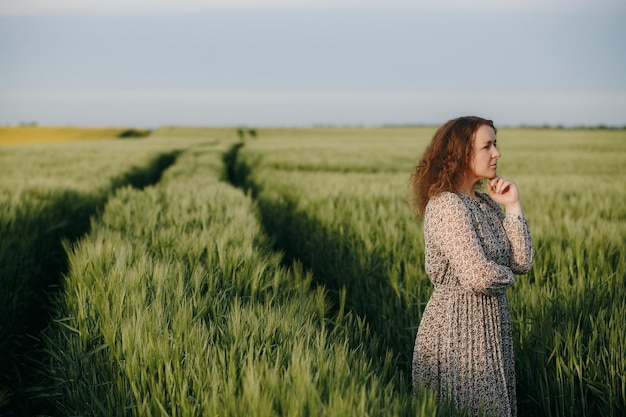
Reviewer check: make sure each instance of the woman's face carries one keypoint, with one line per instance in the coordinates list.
(483, 164)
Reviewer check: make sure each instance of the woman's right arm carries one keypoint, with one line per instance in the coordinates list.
(449, 227)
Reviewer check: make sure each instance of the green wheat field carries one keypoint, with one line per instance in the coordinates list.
(279, 272)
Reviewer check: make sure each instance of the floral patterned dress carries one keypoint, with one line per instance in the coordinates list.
(464, 349)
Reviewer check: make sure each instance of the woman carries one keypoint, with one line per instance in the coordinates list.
(463, 349)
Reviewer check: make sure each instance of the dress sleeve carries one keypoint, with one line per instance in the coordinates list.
(450, 227)
(522, 250)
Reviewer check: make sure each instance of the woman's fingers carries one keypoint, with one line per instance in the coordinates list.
(493, 183)
(504, 192)
(500, 185)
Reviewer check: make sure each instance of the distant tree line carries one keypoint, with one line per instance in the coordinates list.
(134, 133)
(241, 132)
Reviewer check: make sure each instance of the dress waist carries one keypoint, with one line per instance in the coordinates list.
(458, 290)
(449, 288)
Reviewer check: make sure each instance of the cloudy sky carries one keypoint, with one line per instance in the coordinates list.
(148, 63)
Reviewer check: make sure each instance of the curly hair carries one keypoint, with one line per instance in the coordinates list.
(446, 160)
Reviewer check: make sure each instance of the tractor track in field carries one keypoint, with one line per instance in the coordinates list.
(39, 268)
(287, 232)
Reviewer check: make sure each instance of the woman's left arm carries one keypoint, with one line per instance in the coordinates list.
(505, 192)
(522, 250)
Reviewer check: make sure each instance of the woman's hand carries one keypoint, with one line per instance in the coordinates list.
(505, 192)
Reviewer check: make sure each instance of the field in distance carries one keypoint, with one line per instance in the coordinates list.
(23, 135)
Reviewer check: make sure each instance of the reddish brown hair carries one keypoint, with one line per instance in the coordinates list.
(446, 160)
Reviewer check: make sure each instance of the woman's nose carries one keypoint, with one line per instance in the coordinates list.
(496, 153)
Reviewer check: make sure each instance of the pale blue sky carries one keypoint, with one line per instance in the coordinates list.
(300, 63)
